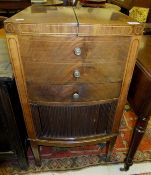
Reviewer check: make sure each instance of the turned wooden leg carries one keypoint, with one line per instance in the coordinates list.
(110, 146)
(35, 150)
(138, 133)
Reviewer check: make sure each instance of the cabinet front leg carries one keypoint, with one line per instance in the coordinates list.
(138, 133)
(36, 153)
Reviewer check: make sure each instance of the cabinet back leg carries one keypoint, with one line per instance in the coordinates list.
(35, 150)
(110, 147)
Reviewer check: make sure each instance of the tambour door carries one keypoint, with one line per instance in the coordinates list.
(73, 121)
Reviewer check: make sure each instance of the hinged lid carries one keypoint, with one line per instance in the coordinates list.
(51, 20)
(43, 20)
(102, 21)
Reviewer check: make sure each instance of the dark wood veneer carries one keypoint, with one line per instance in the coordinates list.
(61, 49)
(130, 3)
(14, 4)
(49, 73)
(64, 93)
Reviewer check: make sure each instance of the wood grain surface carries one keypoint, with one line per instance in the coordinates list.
(68, 20)
(46, 73)
(60, 49)
(13, 47)
(131, 60)
(64, 93)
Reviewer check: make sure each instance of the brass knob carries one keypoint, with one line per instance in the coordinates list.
(76, 74)
(77, 51)
(76, 96)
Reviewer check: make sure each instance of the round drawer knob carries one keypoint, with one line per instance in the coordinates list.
(76, 96)
(77, 51)
(76, 74)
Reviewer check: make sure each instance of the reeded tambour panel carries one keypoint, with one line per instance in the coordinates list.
(73, 121)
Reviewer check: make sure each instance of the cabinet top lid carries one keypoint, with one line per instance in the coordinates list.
(103, 21)
(102, 16)
(68, 20)
(45, 14)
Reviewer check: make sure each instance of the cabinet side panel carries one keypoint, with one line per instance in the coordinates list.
(131, 60)
(13, 47)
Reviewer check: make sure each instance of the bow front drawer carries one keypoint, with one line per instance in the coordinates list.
(73, 49)
(74, 73)
(72, 93)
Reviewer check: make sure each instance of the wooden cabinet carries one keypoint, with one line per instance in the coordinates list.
(73, 67)
(14, 4)
(128, 4)
(13, 143)
(13, 137)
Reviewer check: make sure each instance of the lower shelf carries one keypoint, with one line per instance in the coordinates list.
(91, 140)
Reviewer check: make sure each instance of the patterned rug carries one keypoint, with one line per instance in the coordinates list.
(75, 158)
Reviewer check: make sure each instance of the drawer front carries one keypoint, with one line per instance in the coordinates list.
(106, 49)
(63, 49)
(72, 93)
(50, 49)
(74, 73)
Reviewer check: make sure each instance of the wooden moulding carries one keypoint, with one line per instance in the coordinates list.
(89, 103)
(46, 29)
(13, 46)
(115, 30)
(80, 30)
(75, 142)
(126, 81)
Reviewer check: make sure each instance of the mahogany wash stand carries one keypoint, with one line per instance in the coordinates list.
(73, 68)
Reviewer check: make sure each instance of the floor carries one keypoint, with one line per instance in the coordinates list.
(106, 170)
